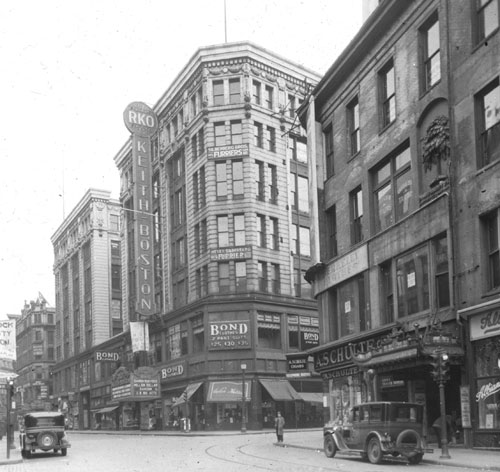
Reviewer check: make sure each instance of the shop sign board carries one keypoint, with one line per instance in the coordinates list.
(106, 356)
(8, 340)
(228, 392)
(231, 253)
(174, 370)
(485, 325)
(465, 406)
(310, 338)
(297, 363)
(142, 122)
(225, 152)
(229, 335)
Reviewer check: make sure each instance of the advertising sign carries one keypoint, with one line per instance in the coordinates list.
(225, 152)
(106, 356)
(297, 364)
(139, 333)
(8, 340)
(231, 253)
(142, 122)
(465, 406)
(485, 325)
(228, 392)
(174, 370)
(229, 335)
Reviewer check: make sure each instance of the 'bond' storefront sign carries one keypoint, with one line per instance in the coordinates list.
(106, 356)
(229, 335)
(225, 152)
(174, 370)
(142, 122)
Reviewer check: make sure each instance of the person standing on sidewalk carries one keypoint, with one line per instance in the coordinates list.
(279, 424)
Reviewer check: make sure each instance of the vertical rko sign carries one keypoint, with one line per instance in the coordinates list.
(142, 122)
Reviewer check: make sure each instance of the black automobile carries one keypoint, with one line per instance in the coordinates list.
(376, 429)
(45, 431)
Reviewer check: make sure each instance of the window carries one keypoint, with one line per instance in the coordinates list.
(237, 179)
(269, 330)
(297, 148)
(302, 287)
(270, 139)
(178, 209)
(486, 18)
(274, 233)
(198, 330)
(441, 277)
(259, 180)
(269, 93)
(272, 180)
(387, 94)
(239, 230)
(387, 295)
(218, 90)
(196, 192)
(256, 92)
(262, 275)
(236, 132)
(349, 312)
(220, 133)
(202, 281)
(261, 231)
(291, 106)
(203, 197)
(258, 134)
(116, 282)
(431, 53)
(176, 341)
(274, 273)
(303, 194)
(353, 126)
(203, 236)
(194, 146)
(393, 190)
(223, 277)
(221, 180)
(114, 221)
(223, 231)
(303, 332)
(193, 106)
(356, 210)
(241, 276)
(234, 91)
(488, 112)
(201, 141)
(412, 275)
(490, 223)
(331, 232)
(305, 243)
(295, 239)
(328, 138)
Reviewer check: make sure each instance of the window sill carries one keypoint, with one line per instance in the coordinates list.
(427, 91)
(484, 41)
(386, 127)
(353, 156)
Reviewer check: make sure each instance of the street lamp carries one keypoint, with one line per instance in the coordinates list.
(243, 399)
(440, 374)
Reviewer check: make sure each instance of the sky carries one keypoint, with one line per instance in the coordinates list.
(68, 70)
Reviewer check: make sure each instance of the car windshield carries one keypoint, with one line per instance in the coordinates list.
(43, 421)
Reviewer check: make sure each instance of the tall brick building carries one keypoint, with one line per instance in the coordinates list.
(406, 124)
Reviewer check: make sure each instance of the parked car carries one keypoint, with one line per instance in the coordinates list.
(376, 429)
(44, 430)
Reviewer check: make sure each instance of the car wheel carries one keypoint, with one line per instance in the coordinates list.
(374, 451)
(27, 454)
(64, 451)
(416, 459)
(329, 446)
(46, 440)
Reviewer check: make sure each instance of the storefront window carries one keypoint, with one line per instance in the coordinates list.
(345, 392)
(488, 383)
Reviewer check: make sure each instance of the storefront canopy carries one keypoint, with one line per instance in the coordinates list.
(280, 390)
(190, 391)
(108, 409)
(311, 397)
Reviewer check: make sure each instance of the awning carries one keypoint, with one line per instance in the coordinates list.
(311, 397)
(280, 390)
(190, 391)
(108, 409)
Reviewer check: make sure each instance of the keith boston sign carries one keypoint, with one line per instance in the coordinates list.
(142, 122)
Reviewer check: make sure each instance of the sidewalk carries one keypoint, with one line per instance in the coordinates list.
(14, 454)
(460, 457)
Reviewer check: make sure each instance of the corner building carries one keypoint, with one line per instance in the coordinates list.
(231, 243)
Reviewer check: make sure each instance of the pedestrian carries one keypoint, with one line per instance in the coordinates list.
(437, 429)
(279, 424)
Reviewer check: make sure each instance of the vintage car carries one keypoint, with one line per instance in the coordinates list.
(376, 429)
(43, 430)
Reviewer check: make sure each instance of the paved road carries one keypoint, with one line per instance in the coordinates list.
(109, 453)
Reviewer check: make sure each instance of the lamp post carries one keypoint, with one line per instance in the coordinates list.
(440, 374)
(243, 399)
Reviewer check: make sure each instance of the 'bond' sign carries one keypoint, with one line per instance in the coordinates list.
(142, 122)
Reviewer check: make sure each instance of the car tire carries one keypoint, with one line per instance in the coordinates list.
(46, 440)
(416, 459)
(64, 451)
(329, 446)
(374, 451)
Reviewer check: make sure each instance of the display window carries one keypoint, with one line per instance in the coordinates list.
(488, 383)
(345, 392)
